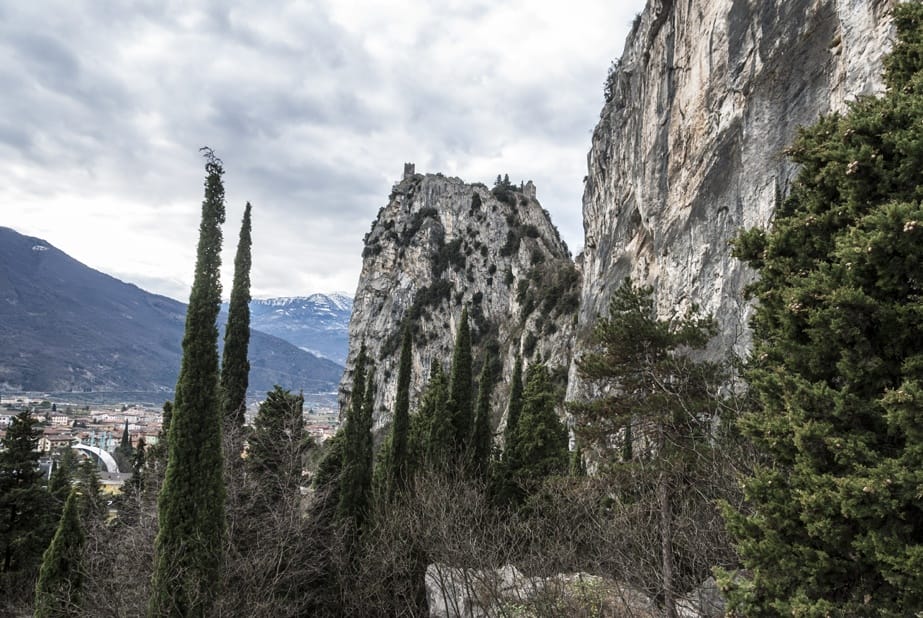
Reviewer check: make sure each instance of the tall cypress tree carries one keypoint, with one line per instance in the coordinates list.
(60, 579)
(460, 390)
(399, 461)
(188, 550)
(435, 417)
(482, 437)
(235, 367)
(834, 521)
(124, 452)
(514, 408)
(355, 475)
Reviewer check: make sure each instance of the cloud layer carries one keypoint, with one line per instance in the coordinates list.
(313, 107)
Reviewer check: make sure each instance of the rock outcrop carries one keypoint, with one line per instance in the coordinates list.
(440, 245)
(689, 150)
(690, 146)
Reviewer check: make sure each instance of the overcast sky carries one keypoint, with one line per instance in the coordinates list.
(313, 107)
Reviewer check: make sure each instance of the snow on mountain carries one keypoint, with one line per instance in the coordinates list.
(318, 322)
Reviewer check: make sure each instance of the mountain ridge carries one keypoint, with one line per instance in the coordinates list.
(67, 327)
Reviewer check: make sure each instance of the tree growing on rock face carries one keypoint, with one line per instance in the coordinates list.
(60, 579)
(833, 524)
(235, 367)
(189, 544)
(658, 395)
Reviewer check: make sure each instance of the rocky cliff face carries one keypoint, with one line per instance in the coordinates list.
(440, 245)
(689, 150)
(690, 145)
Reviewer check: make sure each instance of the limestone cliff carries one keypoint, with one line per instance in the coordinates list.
(690, 144)
(441, 244)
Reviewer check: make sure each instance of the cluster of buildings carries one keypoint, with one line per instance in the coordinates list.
(66, 424)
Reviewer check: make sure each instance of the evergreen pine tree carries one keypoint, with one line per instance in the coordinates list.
(25, 506)
(60, 579)
(59, 485)
(189, 546)
(460, 406)
(235, 367)
(644, 361)
(277, 445)
(89, 488)
(514, 407)
(539, 446)
(482, 437)
(833, 524)
(398, 464)
(421, 423)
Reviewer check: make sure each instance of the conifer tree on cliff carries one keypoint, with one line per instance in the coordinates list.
(460, 391)
(399, 461)
(835, 518)
(188, 550)
(482, 437)
(235, 368)
(60, 579)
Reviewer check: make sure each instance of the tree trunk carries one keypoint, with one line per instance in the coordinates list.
(666, 545)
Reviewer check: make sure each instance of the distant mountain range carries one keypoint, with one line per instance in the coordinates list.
(318, 323)
(67, 327)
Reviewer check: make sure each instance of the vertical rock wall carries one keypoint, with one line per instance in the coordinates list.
(690, 147)
(441, 244)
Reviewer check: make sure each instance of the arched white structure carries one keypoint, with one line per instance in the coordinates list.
(106, 458)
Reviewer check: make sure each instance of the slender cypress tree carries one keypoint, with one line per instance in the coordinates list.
(57, 591)
(188, 550)
(482, 437)
(435, 410)
(125, 444)
(514, 408)
(433, 398)
(355, 477)
(124, 452)
(460, 390)
(135, 484)
(235, 368)
(399, 461)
